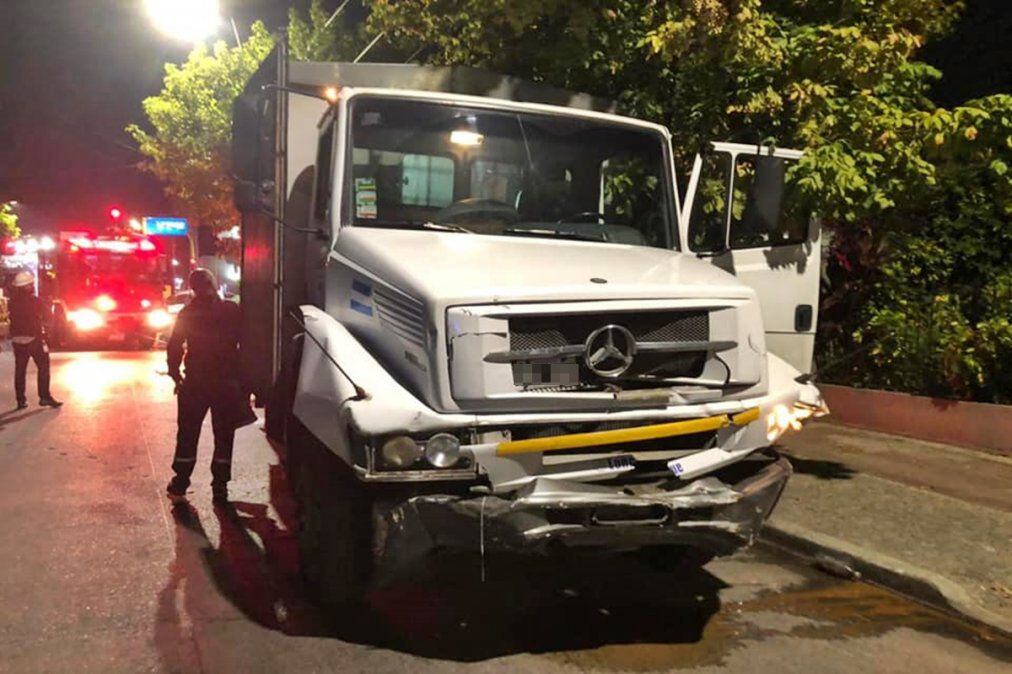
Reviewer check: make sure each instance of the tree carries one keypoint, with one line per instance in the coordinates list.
(188, 148)
(892, 174)
(312, 39)
(9, 222)
(188, 142)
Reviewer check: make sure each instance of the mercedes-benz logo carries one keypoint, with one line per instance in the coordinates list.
(609, 351)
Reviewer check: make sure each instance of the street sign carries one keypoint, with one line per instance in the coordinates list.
(166, 226)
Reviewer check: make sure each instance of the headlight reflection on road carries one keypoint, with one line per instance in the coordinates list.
(90, 378)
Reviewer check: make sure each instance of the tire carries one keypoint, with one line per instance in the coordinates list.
(334, 521)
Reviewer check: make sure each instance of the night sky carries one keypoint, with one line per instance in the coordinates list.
(73, 74)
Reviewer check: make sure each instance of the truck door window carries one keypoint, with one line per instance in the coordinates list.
(747, 231)
(708, 223)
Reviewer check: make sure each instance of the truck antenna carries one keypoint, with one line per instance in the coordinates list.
(360, 393)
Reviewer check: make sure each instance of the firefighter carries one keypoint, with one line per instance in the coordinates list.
(27, 337)
(207, 332)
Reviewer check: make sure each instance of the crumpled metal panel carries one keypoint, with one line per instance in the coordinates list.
(706, 513)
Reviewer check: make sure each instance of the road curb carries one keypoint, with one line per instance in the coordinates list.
(844, 558)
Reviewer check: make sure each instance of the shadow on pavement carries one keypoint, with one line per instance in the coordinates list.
(15, 415)
(824, 470)
(540, 605)
(442, 609)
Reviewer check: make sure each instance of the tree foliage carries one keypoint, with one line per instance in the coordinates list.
(8, 222)
(187, 140)
(896, 178)
(916, 199)
(188, 146)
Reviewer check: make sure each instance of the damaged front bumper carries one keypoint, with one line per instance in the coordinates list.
(707, 513)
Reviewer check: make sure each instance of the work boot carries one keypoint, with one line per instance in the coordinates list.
(22, 404)
(176, 491)
(50, 402)
(219, 494)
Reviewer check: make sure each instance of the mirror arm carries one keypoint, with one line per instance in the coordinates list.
(320, 234)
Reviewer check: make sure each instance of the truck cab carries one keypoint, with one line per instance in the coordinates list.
(507, 328)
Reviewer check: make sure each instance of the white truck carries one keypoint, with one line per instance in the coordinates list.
(487, 315)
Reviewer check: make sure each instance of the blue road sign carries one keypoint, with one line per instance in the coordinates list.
(166, 226)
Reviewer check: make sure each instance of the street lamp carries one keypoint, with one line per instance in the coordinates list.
(185, 20)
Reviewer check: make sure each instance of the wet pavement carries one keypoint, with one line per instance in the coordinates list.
(100, 574)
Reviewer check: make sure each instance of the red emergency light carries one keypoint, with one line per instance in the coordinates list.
(115, 213)
(112, 245)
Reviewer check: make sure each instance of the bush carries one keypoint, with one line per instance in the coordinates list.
(927, 333)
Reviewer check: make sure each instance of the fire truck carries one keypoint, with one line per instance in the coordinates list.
(108, 290)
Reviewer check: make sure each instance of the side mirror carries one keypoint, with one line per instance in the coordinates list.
(765, 198)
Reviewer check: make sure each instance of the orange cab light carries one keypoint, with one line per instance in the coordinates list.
(105, 303)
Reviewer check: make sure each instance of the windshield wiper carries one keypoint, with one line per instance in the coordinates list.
(552, 233)
(414, 224)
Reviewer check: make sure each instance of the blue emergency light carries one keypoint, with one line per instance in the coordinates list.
(166, 226)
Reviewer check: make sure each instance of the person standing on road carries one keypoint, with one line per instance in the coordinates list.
(28, 340)
(207, 331)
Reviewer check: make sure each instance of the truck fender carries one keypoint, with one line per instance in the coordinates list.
(327, 401)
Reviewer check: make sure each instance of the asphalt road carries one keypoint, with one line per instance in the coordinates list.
(100, 574)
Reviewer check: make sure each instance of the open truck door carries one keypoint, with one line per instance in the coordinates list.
(742, 212)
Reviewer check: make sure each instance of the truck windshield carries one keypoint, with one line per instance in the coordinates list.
(495, 172)
(88, 269)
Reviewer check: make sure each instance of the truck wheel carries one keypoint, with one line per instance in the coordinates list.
(335, 520)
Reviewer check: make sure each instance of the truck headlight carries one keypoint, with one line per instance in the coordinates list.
(400, 451)
(159, 318)
(442, 450)
(86, 319)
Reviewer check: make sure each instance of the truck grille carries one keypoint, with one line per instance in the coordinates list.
(531, 333)
(537, 332)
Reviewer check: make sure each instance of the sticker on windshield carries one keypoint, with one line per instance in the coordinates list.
(365, 197)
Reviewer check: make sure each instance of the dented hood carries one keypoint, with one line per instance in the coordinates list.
(449, 268)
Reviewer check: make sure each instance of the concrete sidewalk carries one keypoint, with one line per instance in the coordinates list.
(930, 520)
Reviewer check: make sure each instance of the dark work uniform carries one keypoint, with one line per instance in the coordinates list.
(209, 328)
(26, 337)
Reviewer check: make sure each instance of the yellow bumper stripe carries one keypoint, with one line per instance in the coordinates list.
(635, 434)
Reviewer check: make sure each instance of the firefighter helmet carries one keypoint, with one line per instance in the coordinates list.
(24, 279)
(203, 282)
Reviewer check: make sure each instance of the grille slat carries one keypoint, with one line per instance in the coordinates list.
(534, 332)
(401, 315)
